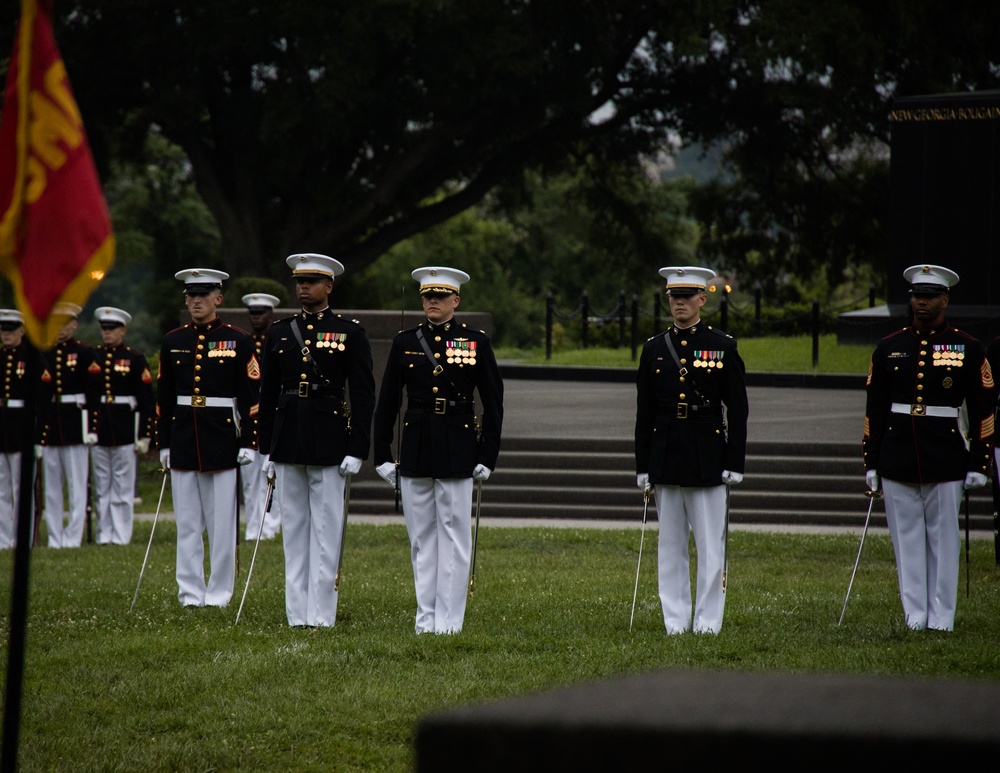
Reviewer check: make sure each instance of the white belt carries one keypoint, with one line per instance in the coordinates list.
(128, 400)
(200, 401)
(918, 409)
(78, 398)
(12, 403)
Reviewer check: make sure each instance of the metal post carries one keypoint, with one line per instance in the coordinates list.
(815, 332)
(621, 319)
(871, 296)
(584, 319)
(635, 325)
(756, 305)
(549, 303)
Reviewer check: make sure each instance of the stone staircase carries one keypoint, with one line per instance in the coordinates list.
(787, 483)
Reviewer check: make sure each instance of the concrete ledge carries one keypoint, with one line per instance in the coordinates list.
(672, 718)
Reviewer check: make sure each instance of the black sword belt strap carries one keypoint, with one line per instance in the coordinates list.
(438, 367)
(306, 353)
(682, 370)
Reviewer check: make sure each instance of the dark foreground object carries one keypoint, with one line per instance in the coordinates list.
(643, 722)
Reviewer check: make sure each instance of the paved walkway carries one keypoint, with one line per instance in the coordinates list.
(542, 408)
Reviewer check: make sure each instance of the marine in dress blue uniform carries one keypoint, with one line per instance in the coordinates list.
(916, 448)
(261, 309)
(123, 411)
(690, 445)
(66, 431)
(208, 384)
(14, 421)
(441, 451)
(317, 398)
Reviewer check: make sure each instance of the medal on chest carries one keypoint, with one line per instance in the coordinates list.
(331, 341)
(706, 358)
(461, 351)
(948, 355)
(221, 349)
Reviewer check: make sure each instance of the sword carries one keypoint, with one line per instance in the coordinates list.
(260, 529)
(475, 538)
(872, 495)
(343, 531)
(163, 487)
(642, 536)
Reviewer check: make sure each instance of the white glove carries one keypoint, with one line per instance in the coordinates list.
(731, 478)
(267, 466)
(482, 472)
(38, 452)
(871, 480)
(387, 472)
(350, 466)
(642, 480)
(90, 438)
(142, 445)
(245, 456)
(974, 480)
(165, 458)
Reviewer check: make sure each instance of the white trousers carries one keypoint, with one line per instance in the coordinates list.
(312, 520)
(923, 524)
(10, 487)
(438, 514)
(65, 465)
(702, 511)
(114, 492)
(254, 495)
(205, 502)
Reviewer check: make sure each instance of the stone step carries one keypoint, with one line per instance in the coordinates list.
(786, 483)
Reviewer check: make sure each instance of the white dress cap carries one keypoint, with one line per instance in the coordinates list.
(11, 315)
(925, 278)
(111, 314)
(201, 279)
(261, 300)
(65, 309)
(314, 263)
(439, 279)
(686, 280)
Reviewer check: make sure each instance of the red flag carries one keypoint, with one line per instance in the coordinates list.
(56, 241)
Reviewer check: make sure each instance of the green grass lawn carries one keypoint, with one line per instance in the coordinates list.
(166, 688)
(781, 355)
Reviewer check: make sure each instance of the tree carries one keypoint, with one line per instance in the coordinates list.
(336, 126)
(349, 127)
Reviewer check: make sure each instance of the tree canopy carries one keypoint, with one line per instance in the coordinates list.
(346, 128)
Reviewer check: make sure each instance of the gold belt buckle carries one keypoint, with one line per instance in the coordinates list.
(303, 389)
(918, 410)
(197, 401)
(682, 410)
(109, 398)
(440, 405)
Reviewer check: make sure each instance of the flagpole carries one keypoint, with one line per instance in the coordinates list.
(22, 561)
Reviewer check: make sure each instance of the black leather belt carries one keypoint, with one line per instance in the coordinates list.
(693, 411)
(307, 389)
(442, 405)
